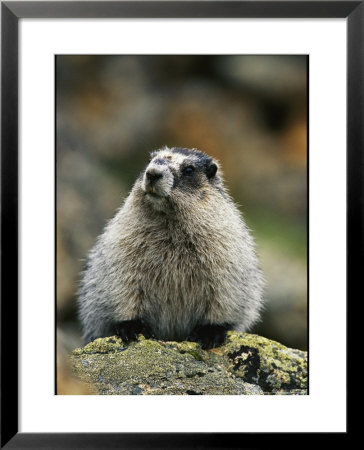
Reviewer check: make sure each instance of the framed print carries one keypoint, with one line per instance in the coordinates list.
(89, 89)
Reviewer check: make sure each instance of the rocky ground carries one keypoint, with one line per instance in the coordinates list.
(246, 364)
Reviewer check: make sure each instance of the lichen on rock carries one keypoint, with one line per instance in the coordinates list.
(246, 364)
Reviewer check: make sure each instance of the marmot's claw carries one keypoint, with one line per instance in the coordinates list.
(128, 330)
(146, 333)
(211, 335)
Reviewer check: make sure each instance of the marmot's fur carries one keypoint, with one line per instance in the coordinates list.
(176, 262)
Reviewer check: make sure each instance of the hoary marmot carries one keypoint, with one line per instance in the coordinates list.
(176, 262)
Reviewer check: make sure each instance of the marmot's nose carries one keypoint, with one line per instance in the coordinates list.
(153, 175)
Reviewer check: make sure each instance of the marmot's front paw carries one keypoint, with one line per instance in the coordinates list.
(128, 330)
(211, 335)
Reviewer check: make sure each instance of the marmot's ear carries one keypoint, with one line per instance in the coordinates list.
(211, 170)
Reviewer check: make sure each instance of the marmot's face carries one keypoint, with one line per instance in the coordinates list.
(175, 172)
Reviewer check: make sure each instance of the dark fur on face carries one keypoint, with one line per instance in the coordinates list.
(191, 169)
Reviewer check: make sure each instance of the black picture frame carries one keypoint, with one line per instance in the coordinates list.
(11, 12)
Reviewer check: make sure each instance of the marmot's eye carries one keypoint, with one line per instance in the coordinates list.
(188, 170)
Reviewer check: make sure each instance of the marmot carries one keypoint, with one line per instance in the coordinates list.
(176, 262)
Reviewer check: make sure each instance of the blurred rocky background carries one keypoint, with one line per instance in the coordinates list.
(250, 112)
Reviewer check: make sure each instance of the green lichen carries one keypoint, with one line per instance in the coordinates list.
(102, 345)
(191, 348)
(245, 364)
(265, 362)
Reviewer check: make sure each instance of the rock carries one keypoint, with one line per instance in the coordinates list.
(246, 364)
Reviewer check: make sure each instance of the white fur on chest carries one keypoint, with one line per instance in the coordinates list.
(171, 278)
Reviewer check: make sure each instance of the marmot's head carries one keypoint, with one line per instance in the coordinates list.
(178, 174)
